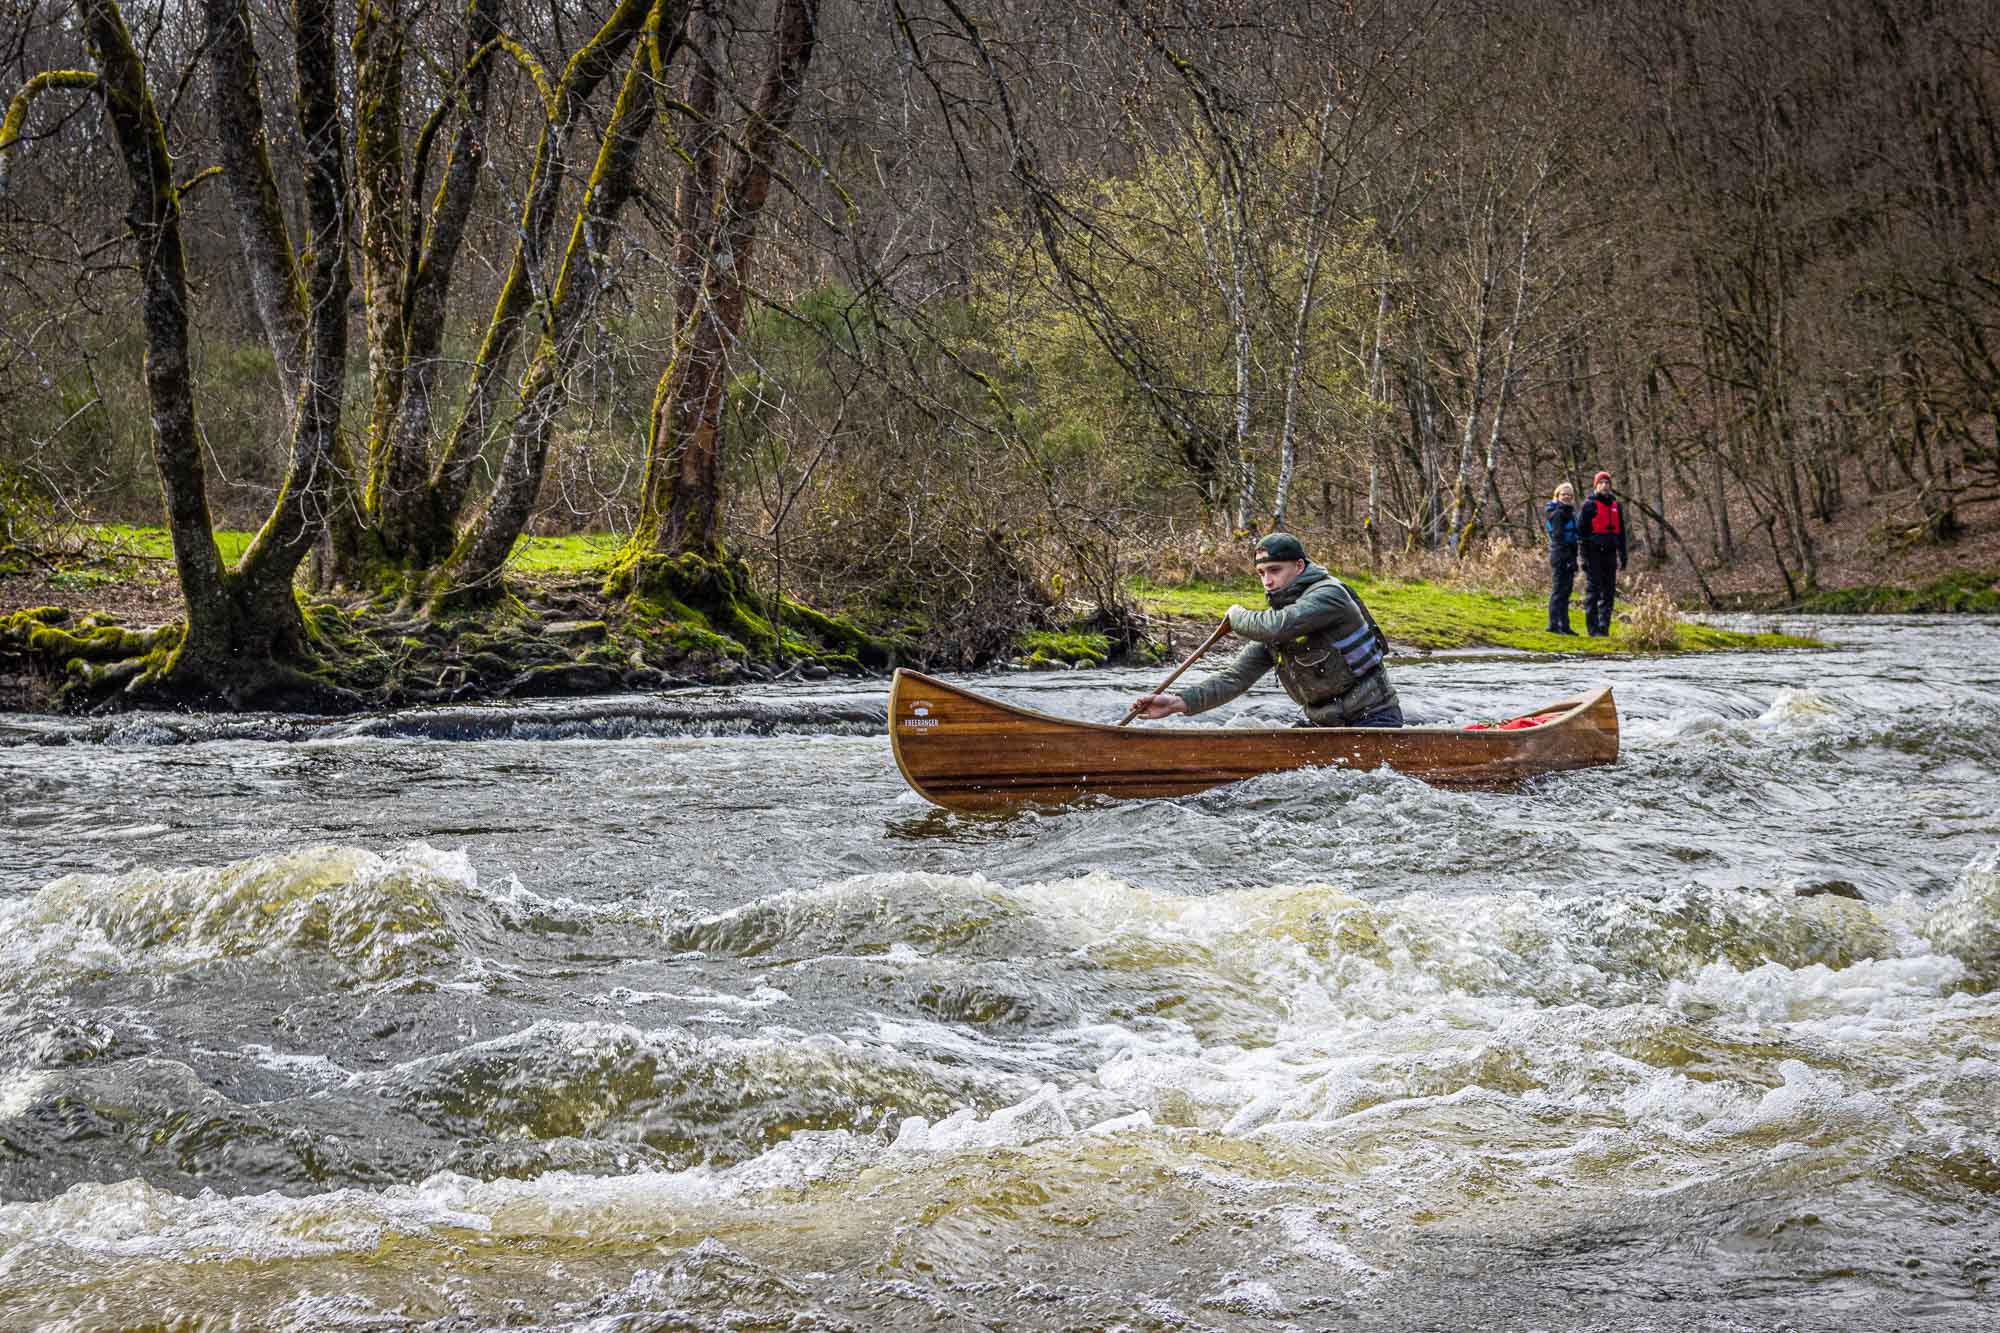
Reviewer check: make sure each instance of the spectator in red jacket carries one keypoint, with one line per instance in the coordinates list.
(1600, 525)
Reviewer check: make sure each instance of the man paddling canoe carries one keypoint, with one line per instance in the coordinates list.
(1327, 649)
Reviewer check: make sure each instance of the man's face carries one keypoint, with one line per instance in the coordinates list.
(1279, 574)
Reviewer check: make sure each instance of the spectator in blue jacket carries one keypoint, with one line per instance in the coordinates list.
(1559, 519)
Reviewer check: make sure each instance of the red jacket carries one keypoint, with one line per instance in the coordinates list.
(1601, 523)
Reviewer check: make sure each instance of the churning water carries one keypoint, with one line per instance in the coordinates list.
(685, 1013)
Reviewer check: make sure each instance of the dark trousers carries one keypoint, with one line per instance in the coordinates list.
(1388, 715)
(1562, 578)
(1600, 577)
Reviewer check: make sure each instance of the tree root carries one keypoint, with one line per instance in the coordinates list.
(273, 687)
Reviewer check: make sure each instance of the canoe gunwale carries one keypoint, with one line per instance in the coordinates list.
(1564, 709)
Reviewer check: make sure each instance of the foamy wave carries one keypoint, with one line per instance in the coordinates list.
(377, 917)
(131, 1219)
(1802, 717)
(22, 1089)
(1809, 1106)
(1966, 924)
(1675, 728)
(339, 902)
(701, 1095)
(1413, 1003)
(970, 916)
(1797, 707)
(134, 1220)
(1040, 1117)
(1874, 991)
(868, 913)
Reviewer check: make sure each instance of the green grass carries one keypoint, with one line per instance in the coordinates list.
(584, 553)
(1426, 615)
(83, 580)
(123, 539)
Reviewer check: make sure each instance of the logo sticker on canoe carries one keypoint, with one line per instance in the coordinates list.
(920, 718)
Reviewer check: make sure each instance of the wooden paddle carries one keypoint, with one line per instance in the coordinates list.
(1213, 639)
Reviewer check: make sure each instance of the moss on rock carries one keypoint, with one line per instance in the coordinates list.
(48, 640)
(1064, 648)
(712, 603)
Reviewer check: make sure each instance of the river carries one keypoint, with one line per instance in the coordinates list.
(686, 1013)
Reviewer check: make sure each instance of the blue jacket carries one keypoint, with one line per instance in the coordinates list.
(1559, 521)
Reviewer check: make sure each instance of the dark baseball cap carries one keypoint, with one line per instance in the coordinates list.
(1278, 547)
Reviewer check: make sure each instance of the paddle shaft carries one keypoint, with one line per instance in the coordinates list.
(1196, 656)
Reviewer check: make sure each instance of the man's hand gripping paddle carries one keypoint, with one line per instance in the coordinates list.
(1213, 639)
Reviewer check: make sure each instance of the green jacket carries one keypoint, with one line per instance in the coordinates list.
(1325, 646)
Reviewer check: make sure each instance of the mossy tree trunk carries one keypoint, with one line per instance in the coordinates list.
(245, 639)
(380, 38)
(412, 511)
(417, 503)
(276, 273)
(720, 206)
(475, 564)
(275, 286)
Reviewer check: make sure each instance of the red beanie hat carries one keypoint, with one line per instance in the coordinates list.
(1602, 476)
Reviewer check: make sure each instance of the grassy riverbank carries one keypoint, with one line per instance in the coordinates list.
(75, 608)
(1433, 616)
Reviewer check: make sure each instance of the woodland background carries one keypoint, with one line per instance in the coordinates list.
(914, 303)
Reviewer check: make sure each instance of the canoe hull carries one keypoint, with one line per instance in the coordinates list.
(966, 752)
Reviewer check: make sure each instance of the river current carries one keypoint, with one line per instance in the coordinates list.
(684, 1012)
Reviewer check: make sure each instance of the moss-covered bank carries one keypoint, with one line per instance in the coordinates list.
(564, 627)
(1967, 592)
(551, 637)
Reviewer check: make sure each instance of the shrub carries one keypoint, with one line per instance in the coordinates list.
(1650, 619)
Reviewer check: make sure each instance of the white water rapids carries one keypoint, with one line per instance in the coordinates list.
(687, 1013)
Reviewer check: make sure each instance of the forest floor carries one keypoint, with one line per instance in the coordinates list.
(1867, 562)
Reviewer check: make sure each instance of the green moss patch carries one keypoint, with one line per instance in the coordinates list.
(716, 597)
(1968, 591)
(82, 653)
(1069, 648)
(1426, 615)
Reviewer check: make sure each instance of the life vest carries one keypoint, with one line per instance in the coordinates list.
(1604, 517)
(1325, 665)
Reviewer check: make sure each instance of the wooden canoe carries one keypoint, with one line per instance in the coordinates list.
(967, 752)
